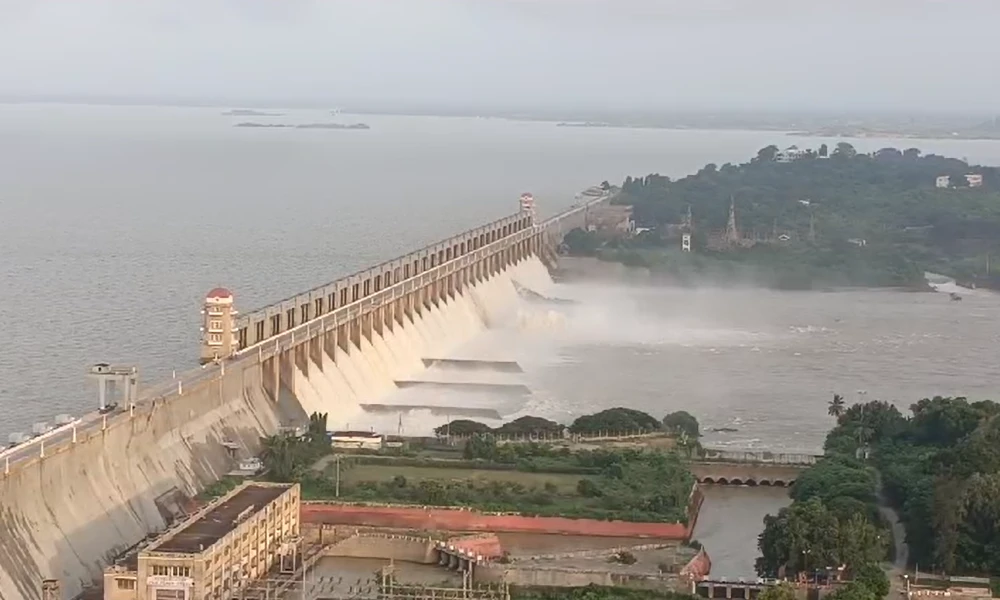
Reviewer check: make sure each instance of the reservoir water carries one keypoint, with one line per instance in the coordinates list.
(114, 221)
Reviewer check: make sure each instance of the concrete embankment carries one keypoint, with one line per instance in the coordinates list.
(65, 516)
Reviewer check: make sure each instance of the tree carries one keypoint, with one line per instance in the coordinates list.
(579, 242)
(682, 422)
(874, 578)
(837, 407)
(959, 181)
(782, 591)
(853, 591)
(482, 446)
(614, 421)
(911, 153)
(845, 150)
(529, 425)
(767, 153)
(823, 151)
(462, 427)
(943, 421)
(279, 457)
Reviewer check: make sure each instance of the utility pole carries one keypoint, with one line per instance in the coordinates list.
(337, 489)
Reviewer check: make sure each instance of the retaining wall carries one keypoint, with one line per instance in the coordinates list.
(387, 547)
(437, 519)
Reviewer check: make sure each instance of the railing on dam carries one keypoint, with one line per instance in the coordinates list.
(354, 295)
(370, 284)
(479, 244)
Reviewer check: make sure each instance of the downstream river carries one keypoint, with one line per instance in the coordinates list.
(114, 221)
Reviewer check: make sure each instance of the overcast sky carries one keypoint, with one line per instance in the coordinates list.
(840, 54)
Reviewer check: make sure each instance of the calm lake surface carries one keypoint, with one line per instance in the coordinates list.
(114, 221)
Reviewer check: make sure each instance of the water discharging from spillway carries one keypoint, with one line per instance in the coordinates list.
(371, 386)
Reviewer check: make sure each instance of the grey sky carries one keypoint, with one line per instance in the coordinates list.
(905, 54)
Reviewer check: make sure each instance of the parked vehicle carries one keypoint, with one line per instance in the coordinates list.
(16, 439)
(40, 428)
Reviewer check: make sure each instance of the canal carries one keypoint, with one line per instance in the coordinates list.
(731, 519)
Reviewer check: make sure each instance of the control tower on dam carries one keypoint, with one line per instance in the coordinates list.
(74, 498)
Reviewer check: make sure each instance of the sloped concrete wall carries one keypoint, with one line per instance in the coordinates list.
(67, 515)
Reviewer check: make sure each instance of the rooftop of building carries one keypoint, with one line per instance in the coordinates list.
(219, 518)
(219, 292)
(355, 434)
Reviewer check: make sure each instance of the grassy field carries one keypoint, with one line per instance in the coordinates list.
(564, 483)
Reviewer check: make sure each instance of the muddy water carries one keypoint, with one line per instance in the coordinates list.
(731, 519)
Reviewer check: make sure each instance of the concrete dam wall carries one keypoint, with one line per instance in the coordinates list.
(70, 505)
(341, 381)
(67, 515)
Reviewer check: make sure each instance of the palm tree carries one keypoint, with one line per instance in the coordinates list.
(837, 408)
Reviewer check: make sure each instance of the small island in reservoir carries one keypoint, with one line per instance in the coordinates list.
(306, 125)
(246, 112)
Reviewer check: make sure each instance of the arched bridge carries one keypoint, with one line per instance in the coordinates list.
(750, 468)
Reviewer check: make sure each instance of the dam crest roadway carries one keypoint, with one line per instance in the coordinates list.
(75, 497)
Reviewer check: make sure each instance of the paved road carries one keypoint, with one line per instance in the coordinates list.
(898, 569)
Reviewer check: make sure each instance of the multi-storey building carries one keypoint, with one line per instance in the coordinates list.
(221, 549)
(219, 332)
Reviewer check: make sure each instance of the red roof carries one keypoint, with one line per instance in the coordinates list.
(219, 293)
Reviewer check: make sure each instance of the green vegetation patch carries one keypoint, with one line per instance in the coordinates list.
(560, 483)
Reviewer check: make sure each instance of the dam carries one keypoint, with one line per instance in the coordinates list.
(74, 498)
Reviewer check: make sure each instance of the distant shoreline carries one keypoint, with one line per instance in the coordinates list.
(253, 125)
(246, 112)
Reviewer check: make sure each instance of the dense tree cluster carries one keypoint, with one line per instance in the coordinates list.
(887, 198)
(940, 467)
(613, 421)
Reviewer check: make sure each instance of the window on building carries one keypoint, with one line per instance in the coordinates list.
(259, 330)
(169, 594)
(319, 306)
(125, 584)
(290, 317)
(304, 310)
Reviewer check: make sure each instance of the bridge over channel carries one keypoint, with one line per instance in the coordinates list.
(77, 495)
(752, 468)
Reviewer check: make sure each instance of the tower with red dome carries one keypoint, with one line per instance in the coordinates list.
(218, 330)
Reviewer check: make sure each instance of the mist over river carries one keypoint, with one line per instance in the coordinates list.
(114, 221)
